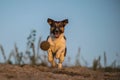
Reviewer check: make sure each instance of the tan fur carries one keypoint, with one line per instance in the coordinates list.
(57, 48)
(57, 42)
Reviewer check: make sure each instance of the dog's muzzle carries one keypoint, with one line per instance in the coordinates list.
(57, 32)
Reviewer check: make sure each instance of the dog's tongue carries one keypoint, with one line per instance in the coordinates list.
(56, 35)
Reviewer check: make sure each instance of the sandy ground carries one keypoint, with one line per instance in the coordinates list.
(28, 72)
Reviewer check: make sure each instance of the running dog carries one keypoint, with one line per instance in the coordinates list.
(57, 42)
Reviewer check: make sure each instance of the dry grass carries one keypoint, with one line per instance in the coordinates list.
(32, 56)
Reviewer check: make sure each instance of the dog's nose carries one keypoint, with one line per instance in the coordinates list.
(56, 30)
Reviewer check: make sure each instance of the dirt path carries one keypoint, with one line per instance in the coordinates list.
(27, 72)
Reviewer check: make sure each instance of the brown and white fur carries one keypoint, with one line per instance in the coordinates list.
(57, 42)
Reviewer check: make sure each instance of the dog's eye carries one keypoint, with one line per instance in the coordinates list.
(62, 29)
(52, 28)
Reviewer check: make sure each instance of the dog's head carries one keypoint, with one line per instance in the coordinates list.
(57, 27)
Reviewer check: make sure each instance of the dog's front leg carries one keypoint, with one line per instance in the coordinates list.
(51, 58)
(61, 59)
(60, 56)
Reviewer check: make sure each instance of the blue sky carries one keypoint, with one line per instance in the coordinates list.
(94, 25)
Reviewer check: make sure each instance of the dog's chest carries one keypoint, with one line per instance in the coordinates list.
(56, 44)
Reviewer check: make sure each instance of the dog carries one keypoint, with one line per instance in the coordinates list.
(57, 42)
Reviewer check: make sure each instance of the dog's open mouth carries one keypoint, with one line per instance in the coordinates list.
(56, 34)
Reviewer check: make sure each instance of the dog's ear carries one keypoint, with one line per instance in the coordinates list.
(50, 21)
(65, 22)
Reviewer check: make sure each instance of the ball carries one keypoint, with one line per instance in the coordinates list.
(45, 45)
